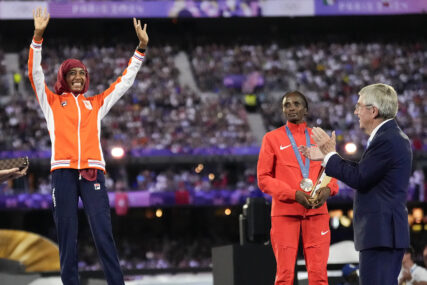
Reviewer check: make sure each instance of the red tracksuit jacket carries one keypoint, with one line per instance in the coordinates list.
(279, 173)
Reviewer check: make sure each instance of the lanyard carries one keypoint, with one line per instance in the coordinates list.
(304, 168)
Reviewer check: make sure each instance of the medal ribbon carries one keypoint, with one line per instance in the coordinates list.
(304, 168)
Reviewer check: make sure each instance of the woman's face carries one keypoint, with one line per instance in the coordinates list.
(76, 79)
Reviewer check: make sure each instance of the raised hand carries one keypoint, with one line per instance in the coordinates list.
(141, 33)
(325, 143)
(40, 22)
(312, 153)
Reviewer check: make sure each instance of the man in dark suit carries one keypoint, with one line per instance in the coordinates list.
(380, 178)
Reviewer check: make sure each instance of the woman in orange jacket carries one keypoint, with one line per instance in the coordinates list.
(77, 162)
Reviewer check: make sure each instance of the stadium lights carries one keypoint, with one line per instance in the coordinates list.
(350, 214)
(227, 212)
(159, 213)
(338, 217)
(335, 223)
(335, 218)
(199, 168)
(345, 221)
(335, 213)
(211, 176)
(418, 214)
(350, 147)
(117, 152)
(410, 219)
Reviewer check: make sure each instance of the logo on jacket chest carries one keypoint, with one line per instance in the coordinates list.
(64, 103)
(284, 147)
(87, 104)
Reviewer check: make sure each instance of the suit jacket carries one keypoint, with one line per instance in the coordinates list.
(381, 180)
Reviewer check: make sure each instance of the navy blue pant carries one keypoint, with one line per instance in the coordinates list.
(380, 266)
(66, 189)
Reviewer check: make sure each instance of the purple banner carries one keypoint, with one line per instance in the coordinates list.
(369, 7)
(244, 150)
(117, 9)
(154, 9)
(147, 152)
(141, 199)
(209, 9)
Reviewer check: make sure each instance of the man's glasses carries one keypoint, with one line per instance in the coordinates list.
(358, 106)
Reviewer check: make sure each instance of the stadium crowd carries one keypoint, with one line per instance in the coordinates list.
(159, 113)
(153, 253)
(329, 74)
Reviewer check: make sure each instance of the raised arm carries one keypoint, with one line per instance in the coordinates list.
(35, 71)
(40, 23)
(117, 89)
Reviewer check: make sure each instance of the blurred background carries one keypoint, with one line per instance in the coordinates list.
(182, 145)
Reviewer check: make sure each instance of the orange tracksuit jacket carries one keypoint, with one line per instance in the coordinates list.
(74, 122)
(279, 173)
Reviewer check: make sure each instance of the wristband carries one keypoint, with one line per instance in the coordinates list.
(141, 50)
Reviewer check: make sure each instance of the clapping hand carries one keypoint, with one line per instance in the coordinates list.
(141, 33)
(40, 22)
(312, 153)
(325, 143)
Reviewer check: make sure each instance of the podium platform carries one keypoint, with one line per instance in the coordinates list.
(250, 264)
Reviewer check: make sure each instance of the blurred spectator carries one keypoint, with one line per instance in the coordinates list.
(182, 196)
(350, 273)
(425, 256)
(17, 78)
(411, 273)
(4, 81)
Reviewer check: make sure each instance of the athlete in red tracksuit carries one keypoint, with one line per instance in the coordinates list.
(279, 175)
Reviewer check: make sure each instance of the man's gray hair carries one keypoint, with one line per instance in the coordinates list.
(383, 97)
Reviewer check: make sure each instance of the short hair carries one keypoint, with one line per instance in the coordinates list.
(410, 250)
(383, 97)
(295, 92)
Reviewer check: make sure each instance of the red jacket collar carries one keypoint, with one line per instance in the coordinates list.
(296, 127)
